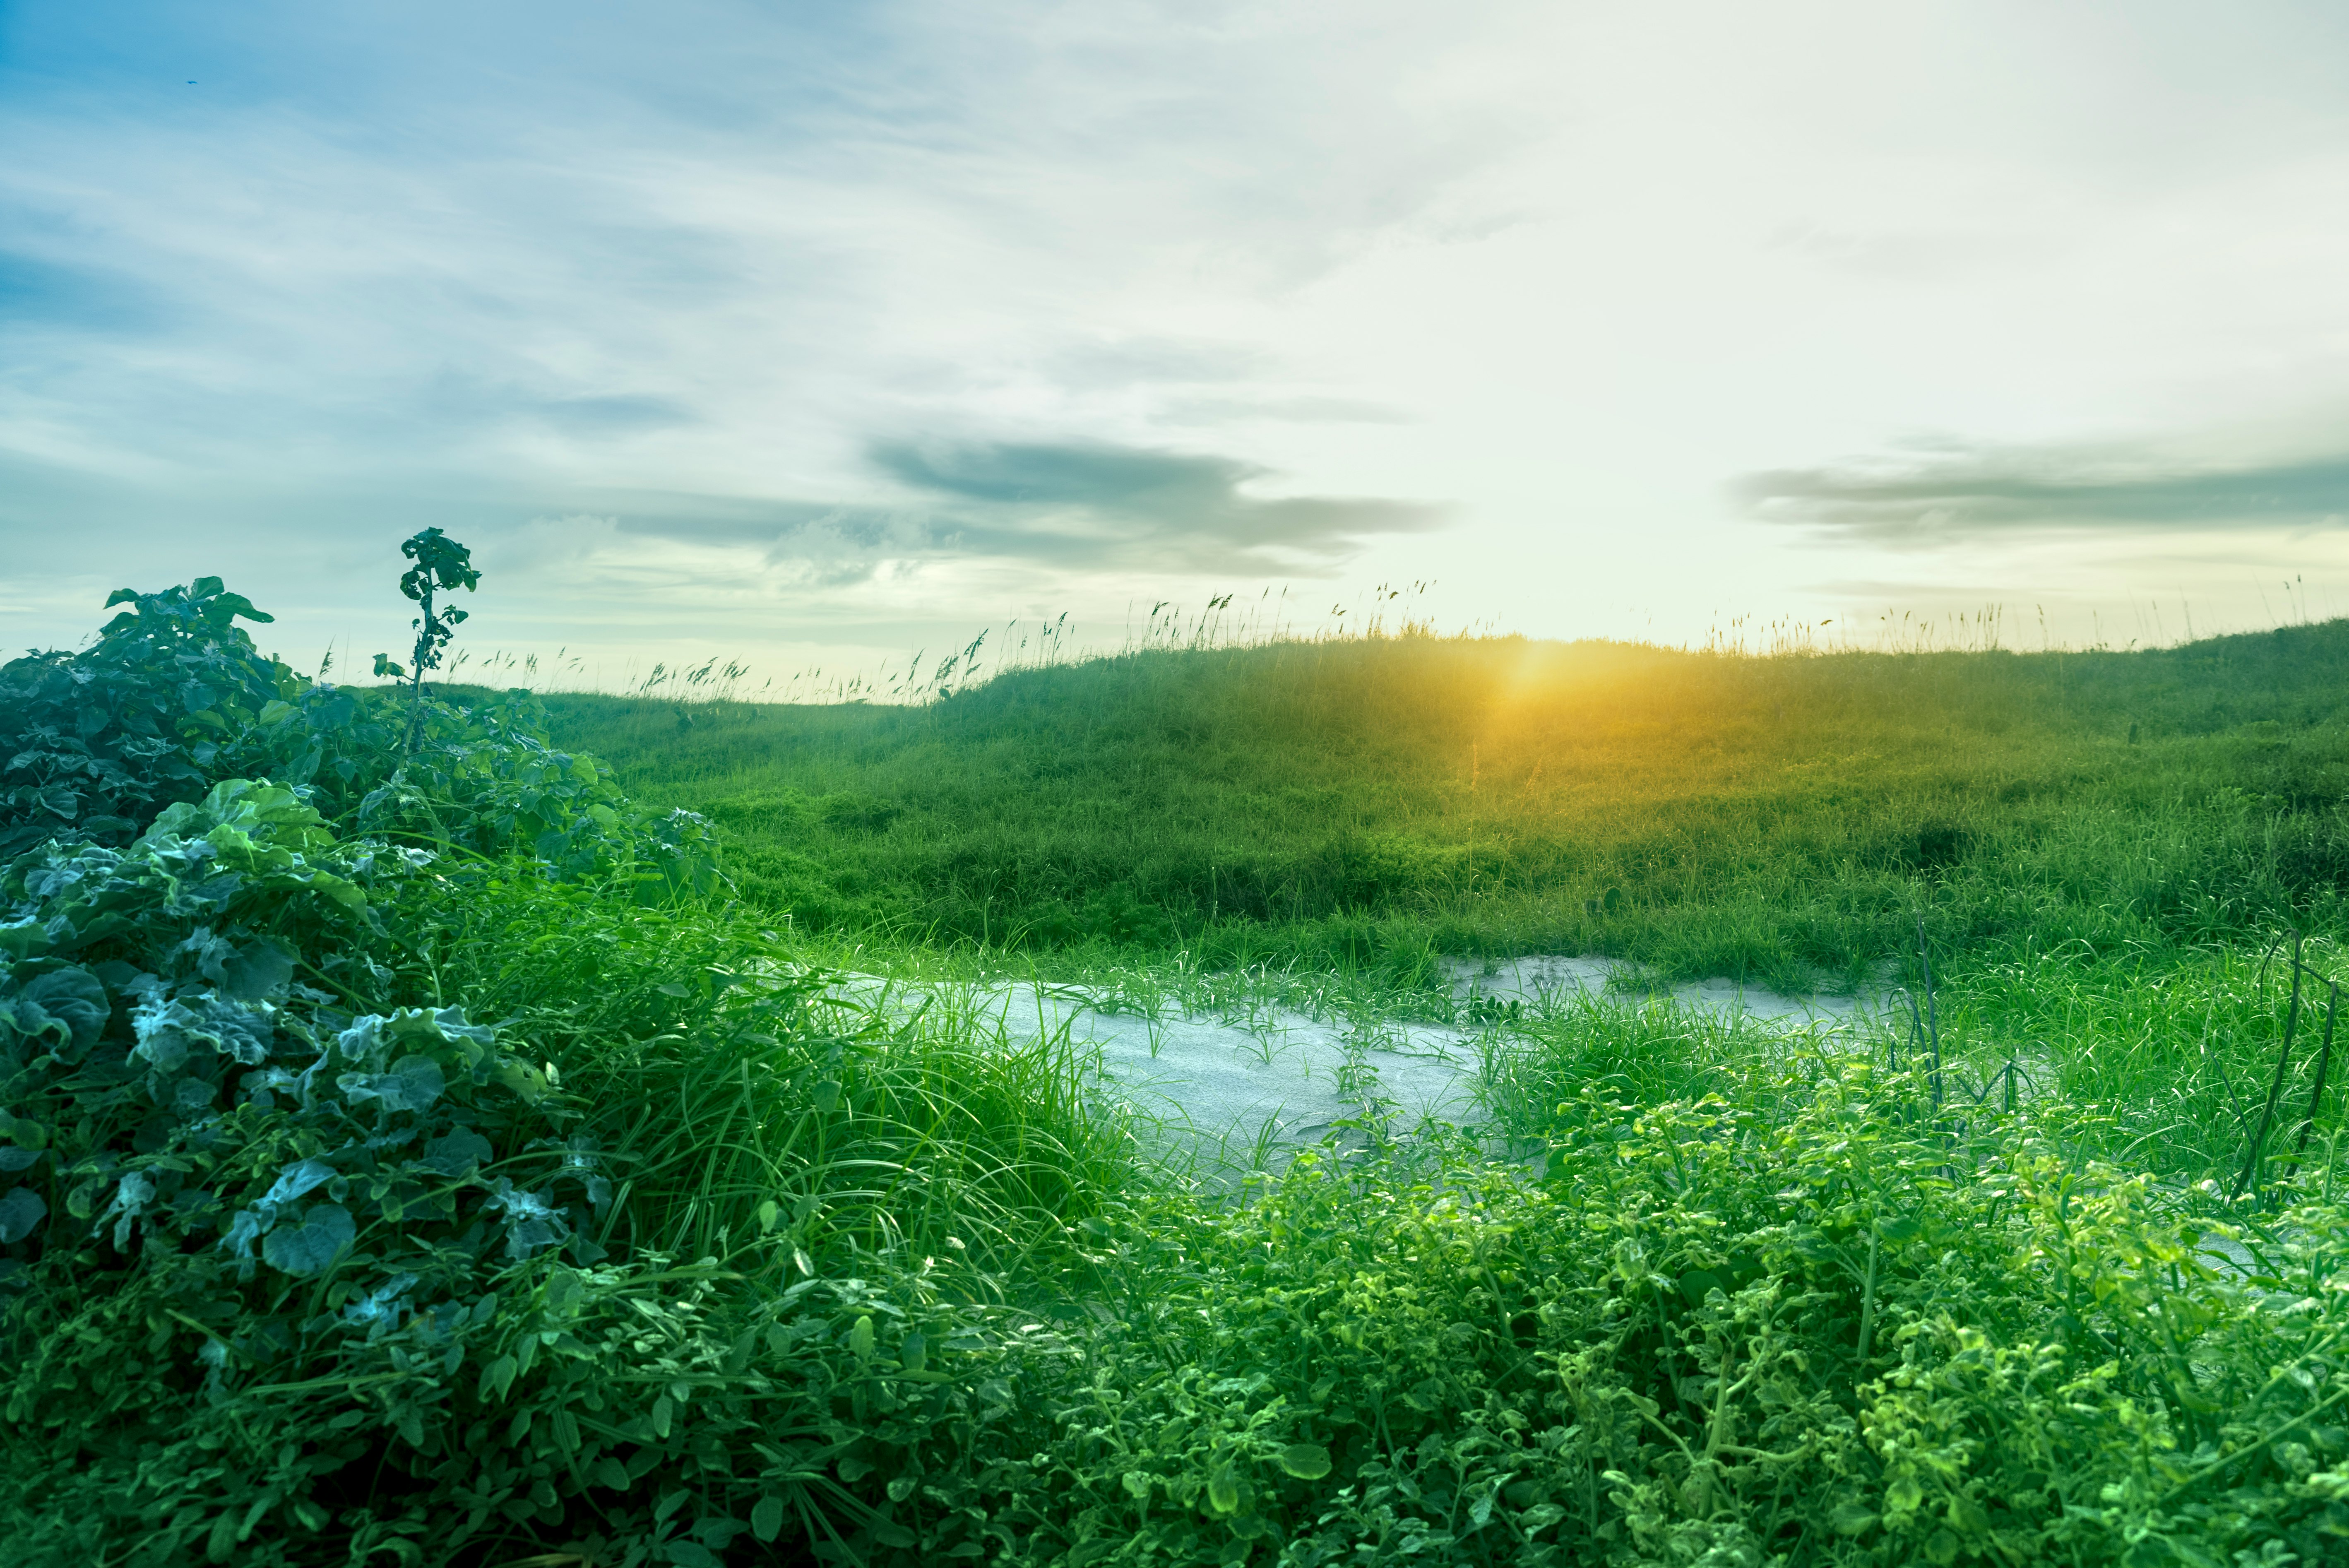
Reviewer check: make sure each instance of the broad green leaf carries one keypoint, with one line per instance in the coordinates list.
(259, 968)
(767, 1517)
(563, 1291)
(71, 999)
(22, 939)
(309, 1248)
(1309, 1461)
(1852, 1520)
(1223, 1491)
(20, 1210)
(497, 1378)
(412, 1085)
(458, 1151)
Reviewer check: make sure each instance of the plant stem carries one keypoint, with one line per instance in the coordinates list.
(1867, 1297)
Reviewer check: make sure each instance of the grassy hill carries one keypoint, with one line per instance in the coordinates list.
(439, 1165)
(1782, 816)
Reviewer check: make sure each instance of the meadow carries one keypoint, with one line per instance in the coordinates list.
(434, 1132)
(1776, 817)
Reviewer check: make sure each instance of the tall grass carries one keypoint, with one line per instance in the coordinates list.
(726, 1075)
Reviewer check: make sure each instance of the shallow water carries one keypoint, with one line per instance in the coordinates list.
(1554, 977)
(1232, 1093)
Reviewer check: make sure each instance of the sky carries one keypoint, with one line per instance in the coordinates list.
(807, 334)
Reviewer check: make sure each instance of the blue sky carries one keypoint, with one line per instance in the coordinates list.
(811, 333)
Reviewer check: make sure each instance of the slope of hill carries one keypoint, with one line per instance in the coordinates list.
(1781, 816)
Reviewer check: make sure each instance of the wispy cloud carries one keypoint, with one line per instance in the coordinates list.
(1075, 506)
(1955, 495)
(730, 316)
(522, 265)
(1127, 505)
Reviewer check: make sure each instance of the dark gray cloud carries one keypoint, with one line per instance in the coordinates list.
(1078, 506)
(1954, 495)
(1116, 478)
(1096, 503)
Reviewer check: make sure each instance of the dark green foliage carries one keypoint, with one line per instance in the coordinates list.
(174, 697)
(384, 1285)
(219, 1146)
(99, 741)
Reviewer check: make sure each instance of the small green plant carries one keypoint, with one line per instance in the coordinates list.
(442, 567)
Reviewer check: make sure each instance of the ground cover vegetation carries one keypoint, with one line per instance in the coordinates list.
(426, 1144)
(1360, 800)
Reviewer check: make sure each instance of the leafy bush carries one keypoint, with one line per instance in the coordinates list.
(299, 1281)
(98, 741)
(174, 697)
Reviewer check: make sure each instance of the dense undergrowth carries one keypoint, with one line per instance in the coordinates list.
(420, 1155)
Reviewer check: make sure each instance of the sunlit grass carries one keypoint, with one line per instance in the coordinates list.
(1778, 820)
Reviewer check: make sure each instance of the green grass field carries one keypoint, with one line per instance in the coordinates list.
(1780, 818)
(581, 1224)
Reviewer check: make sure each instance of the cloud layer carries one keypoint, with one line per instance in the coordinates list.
(1100, 505)
(718, 318)
(1960, 496)
(1088, 506)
